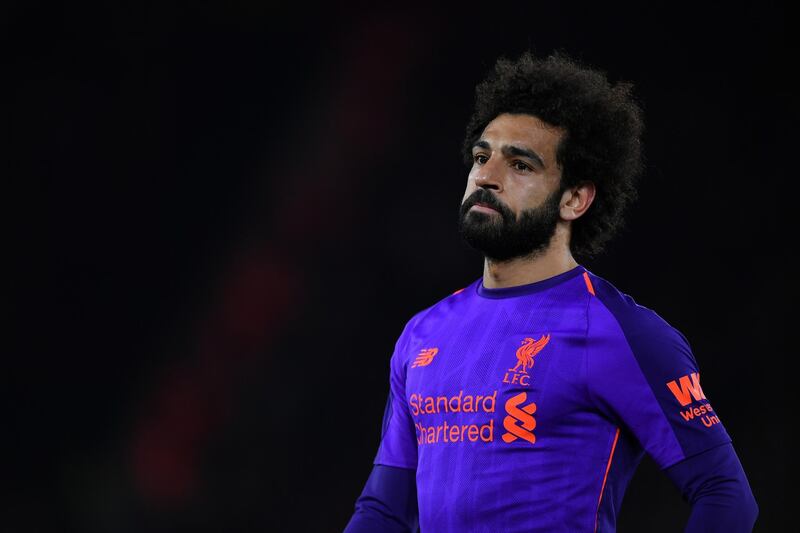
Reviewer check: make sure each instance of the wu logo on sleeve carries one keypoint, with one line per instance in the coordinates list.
(687, 390)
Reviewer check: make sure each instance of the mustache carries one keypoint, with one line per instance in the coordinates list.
(482, 196)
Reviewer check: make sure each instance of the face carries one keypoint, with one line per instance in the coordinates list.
(511, 206)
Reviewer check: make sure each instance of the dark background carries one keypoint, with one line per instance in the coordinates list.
(222, 214)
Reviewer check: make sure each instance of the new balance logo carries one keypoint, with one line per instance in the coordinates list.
(686, 388)
(425, 357)
(523, 415)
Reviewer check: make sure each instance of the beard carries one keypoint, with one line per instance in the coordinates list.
(505, 236)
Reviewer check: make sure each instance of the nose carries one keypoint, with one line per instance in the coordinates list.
(489, 175)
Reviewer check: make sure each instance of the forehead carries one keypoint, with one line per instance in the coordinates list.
(525, 131)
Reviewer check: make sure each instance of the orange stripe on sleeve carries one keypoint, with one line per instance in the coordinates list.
(608, 466)
(588, 282)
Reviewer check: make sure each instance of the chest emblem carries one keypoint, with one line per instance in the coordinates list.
(525, 354)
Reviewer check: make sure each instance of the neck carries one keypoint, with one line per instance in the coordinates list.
(552, 261)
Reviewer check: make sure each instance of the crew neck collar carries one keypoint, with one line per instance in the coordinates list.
(530, 288)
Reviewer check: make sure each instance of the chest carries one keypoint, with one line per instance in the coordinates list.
(496, 365)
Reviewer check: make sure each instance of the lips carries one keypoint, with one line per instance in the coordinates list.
(484, 207)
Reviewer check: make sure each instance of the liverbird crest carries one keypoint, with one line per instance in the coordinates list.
(530, 347)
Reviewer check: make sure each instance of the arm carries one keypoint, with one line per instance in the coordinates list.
(715, 485)
(388, 503)
(644, 376)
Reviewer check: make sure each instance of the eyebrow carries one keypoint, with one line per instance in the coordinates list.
(514, 151)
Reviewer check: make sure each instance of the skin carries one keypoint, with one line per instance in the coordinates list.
(521, 182)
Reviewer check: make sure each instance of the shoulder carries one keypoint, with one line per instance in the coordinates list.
(432, 317)
(443, 310)
(641, 371)
(634, 319)
(651, 339)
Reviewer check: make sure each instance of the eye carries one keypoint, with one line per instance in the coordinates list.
(480, 159)
(521, 166)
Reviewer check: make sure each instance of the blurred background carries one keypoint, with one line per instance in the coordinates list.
(223, 213)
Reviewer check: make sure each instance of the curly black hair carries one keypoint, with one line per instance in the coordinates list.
(603, 128)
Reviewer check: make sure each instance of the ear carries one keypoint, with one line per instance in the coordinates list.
(576, 200)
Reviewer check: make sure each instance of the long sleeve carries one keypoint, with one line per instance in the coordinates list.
(715, 485)
(388, 503)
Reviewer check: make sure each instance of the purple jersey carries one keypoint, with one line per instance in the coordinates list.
(528, 408)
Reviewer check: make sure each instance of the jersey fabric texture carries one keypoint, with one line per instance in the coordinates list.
(528, 408)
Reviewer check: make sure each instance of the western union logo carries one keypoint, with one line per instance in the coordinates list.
(686, 388)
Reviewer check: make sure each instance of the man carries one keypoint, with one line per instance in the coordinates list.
(525, 401)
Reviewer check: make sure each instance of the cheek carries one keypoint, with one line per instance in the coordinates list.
(531, 195)
(471, 187)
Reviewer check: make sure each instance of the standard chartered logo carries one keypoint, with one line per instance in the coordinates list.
(457, 418)
(517, 414)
